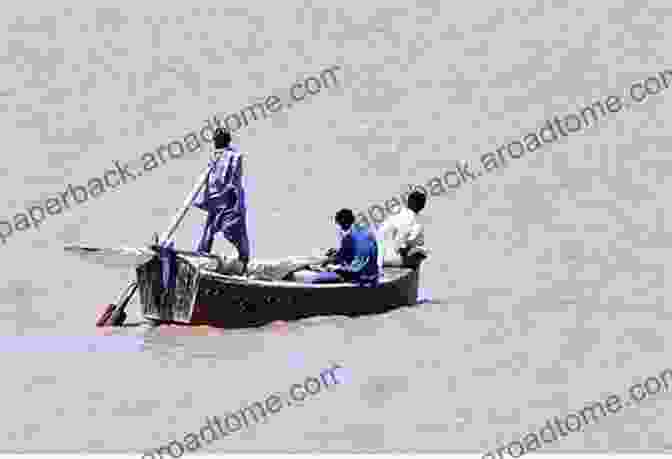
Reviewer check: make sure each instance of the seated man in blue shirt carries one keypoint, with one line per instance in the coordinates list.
(357, 259)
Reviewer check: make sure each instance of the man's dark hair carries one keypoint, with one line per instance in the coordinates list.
(345, 218)
(416, 201)
(222, 138)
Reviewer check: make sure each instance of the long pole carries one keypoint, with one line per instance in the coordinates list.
(177, 219)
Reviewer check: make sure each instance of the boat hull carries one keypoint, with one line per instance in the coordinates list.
(204, 297)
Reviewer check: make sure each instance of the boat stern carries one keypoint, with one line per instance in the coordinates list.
(168, 305)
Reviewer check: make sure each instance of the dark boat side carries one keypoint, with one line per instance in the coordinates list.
(204, 297)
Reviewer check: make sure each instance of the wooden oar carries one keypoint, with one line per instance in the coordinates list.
(124, 257)
(105, 318)
(117, 257)
(115, 315)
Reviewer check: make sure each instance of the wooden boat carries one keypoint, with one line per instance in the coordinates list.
(203, 296)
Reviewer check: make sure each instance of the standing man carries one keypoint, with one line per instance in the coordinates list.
(224, 199)
(401, 237)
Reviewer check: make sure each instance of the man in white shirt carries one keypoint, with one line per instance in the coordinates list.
(401, 237)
